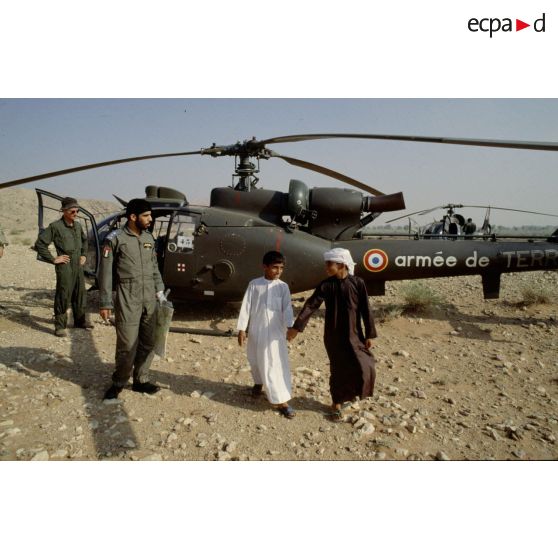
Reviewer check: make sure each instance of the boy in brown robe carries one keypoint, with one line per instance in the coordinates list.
(348, 346)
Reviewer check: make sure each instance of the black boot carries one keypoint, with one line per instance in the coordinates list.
(145, 387)
(84, 324)
(112, 392)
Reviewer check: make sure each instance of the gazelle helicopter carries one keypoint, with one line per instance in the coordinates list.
(453, 225)
(212, 252)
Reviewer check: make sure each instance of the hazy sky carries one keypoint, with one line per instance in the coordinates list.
(42, 135)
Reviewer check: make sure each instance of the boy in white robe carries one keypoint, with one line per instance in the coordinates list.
(267, 311)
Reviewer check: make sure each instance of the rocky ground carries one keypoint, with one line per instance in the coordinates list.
(471, 379)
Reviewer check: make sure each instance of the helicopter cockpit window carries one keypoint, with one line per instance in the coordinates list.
(159, 231)
(160, 226)
(434, 229)
(181, 234)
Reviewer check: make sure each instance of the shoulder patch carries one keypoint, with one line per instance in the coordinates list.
(113, 234)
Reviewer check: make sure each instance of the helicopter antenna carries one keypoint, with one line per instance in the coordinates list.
(120, 200)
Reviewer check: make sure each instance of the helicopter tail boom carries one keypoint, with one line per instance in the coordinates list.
(379, 261)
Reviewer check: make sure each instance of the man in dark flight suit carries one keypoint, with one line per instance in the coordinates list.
(70, 242)
(129, 252)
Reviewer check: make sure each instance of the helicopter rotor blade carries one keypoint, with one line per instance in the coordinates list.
(511, 144)
(427, 211)
(92, 166)
(509, 209)
(327, 172)
(421, 212)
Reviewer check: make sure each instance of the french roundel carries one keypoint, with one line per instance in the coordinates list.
(375, 260)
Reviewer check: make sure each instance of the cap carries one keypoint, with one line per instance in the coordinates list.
(137, 206)
(68, 203)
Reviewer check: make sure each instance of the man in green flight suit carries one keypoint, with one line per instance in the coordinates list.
(129, 252)
(70, 242)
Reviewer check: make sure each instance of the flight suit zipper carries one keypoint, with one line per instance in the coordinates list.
(142, 271)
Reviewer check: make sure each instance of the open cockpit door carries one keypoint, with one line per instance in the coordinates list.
(49, 211)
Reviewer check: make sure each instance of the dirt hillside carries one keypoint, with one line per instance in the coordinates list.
(18, 213)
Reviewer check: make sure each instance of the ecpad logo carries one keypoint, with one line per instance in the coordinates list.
(493, 25)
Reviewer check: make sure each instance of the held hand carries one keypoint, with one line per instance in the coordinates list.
(82, 260)
(1, 251)
(105, 314)
(291, 333)
(368, 343)
(241, 337)
(61, 260)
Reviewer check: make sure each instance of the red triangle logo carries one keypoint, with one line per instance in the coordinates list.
(519, 25)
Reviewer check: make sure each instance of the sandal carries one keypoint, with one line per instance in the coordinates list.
(287, 412)
(336, 416)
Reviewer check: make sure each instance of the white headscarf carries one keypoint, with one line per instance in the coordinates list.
(340, 255)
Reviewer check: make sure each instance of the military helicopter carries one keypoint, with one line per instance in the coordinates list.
(452, 225)
(449, 226)
(212, 252)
